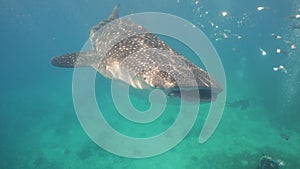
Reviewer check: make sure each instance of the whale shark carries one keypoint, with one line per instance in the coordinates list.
(126, 51)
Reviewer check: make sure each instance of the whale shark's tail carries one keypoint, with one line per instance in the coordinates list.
(77, 59)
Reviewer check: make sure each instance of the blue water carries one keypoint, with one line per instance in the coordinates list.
(38, 123)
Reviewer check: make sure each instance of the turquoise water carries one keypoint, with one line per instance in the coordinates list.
(38, 123)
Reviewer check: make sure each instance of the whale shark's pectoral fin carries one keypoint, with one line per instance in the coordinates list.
(73, 60)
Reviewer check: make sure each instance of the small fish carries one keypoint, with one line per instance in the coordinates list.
(260, 8)
(242, 104)
(211, 23)
(278, 50)
(237, 36)
(280, 67)
(225, 36)
(263, 52)
(285, 136)
(297, 16)
(295, 27)
(283, 69)
(276, 36)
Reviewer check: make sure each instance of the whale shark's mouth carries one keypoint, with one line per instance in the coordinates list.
(205, 95)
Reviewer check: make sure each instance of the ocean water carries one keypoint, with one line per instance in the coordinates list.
(39, 127)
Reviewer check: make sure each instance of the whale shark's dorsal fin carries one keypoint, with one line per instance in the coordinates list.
(115, 13)
(88, 58)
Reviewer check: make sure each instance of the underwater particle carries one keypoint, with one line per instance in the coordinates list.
(278, 50)
(243, 21)
(224, 13)
(287, 42)
(275, 69)
(197, 2)
(200, 24)
(260, 8)
(239, 23)
(235, 50)
(211, 23)
(237, 36)
(178, 1)
(283, 69)
(225, 35)
(293, 46)
(227, 30)
(276, 36)
(263, 52)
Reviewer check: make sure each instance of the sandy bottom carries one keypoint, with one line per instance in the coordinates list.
(48, 135)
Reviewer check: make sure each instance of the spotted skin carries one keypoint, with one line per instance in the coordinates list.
(126, 51)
